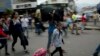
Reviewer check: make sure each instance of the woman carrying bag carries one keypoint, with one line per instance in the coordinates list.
(16, 31)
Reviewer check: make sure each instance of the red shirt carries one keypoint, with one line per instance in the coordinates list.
(83, 19)
(2, 33)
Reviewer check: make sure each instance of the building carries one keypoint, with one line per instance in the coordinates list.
(57, 1)
(21, 6)
(71, 5)
(24, 6)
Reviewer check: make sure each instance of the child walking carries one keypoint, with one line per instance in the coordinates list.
(57, 40)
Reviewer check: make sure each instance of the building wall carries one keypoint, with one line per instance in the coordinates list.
(24, 4)
(22, 1)
(5, 4)
(57, 1)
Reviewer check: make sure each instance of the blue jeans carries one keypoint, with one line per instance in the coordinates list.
(49, 39)
(82, 27)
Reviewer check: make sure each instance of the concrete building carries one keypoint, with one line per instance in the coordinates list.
(24, 6)
(57, 1)
(30, 5)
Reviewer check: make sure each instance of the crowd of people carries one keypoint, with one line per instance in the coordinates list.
(17, 26)
(14, 27)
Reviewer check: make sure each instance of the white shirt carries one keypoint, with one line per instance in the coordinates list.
(24, 22)
(56, 38)
(16, 21)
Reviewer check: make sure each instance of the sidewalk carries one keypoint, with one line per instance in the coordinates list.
(90, 26)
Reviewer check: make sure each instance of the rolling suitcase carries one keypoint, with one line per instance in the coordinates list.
(40, 52)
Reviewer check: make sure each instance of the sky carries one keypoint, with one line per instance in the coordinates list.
(83, 3)
(40, 1)
(90, 2)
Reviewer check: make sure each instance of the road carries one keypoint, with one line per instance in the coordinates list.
(75, 45)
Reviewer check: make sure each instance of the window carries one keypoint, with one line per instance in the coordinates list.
(24, 6)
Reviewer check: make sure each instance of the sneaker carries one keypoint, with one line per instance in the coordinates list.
(77, 34)
(7, 54)
(73, 33)
(26, 52)
(63, 51)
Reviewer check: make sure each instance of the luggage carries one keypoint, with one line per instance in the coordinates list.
(40, 52)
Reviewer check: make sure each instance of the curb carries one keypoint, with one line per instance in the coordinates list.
(86, 28)
(92, 28)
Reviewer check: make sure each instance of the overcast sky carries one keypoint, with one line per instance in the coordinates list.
(87, 1)
(40, 1)
(84, 3)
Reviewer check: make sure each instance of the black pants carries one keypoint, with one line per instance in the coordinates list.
(56, 50)
(21, 37)
(4, 44)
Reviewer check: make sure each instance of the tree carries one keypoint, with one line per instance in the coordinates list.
(9, 11)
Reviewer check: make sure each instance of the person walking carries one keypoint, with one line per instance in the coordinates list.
(74, 19)
(68, 22)
(3, 39)
(57, 39)
(24, 22)
(37, 24)
(83, 22)
(5, 22)
(50, 30)
(16, 31)
(95, 17)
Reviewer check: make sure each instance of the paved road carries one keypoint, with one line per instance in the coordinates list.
(75, 45)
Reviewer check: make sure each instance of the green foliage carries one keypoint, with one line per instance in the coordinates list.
(9, 11)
